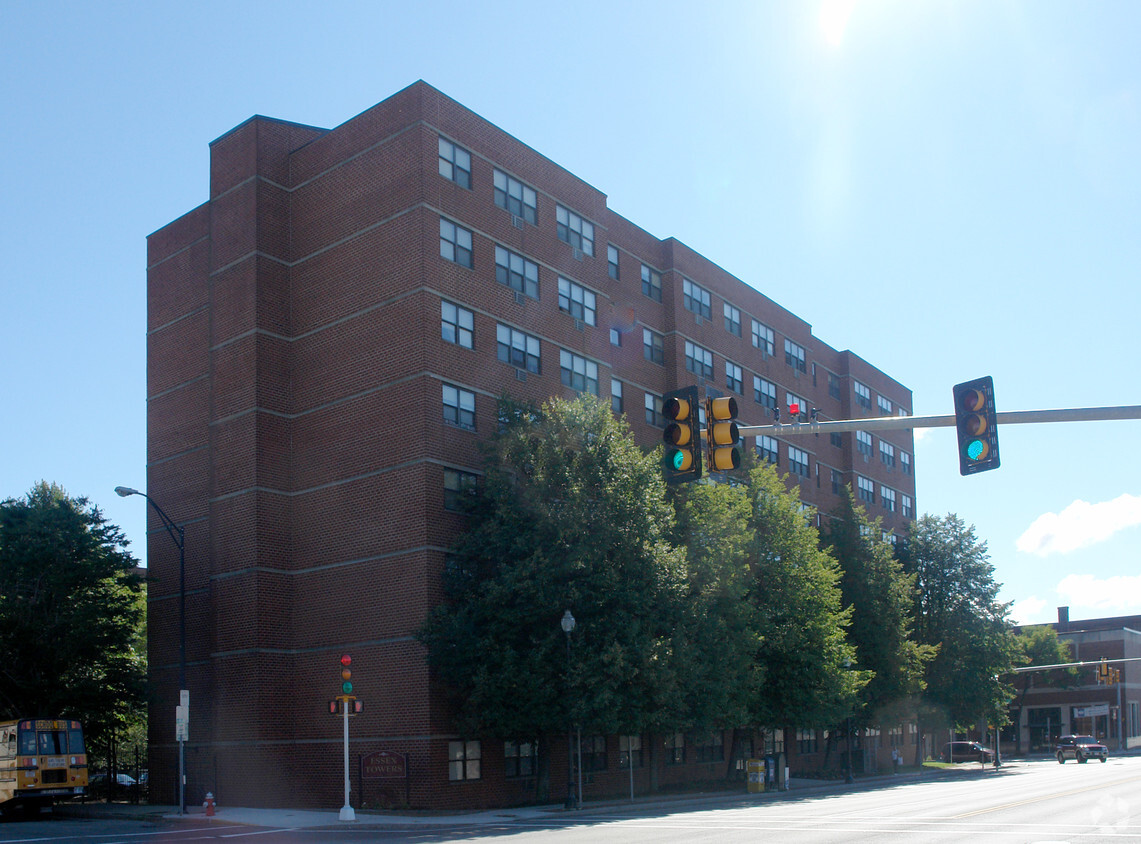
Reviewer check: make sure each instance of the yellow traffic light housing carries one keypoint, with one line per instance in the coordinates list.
(976, 423)
(682, 435)
(721, 434)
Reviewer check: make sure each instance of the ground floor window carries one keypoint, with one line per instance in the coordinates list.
(709, 747)
(594, 753)
(519, 758)
(629, 750)
(675, 749)
(463, 760)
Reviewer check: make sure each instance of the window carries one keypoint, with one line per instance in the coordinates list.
(905, 462)
(697, 299)
(806, 740)
(675, 749)
(578, 373)
(798, 461)
(615, 337)
(654, 411)
(887, 454)
(884, 405)
(576, 231)
(834, 386)
(651, 283)
(514, 196)
(519, 758)
(518, 349)
(836, 440)
(764, 393)
(594, 753)
(653, 347)
(709, 747)
(577, 301)
(612, 260)
(463, 760)
(907, 508)
(629, 750)
(455, 243)
(734, 378)
(458, 486)
(863, 395)
(459, 407)
(794, 356)
(866, 489)
(864, 443)
(837, 483)
(517, 272)
(763, 338)
(456, 324)
(768, 449)
(732, 319)
(699, 361)
(616, 396)
(887, 498)
(455, 163)
(792, 399)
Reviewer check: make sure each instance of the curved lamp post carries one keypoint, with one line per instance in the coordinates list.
(178, 534)
(568, 623)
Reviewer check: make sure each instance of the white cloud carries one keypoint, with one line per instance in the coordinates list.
(1079, 525)
(1028, 611)
(1117, 595)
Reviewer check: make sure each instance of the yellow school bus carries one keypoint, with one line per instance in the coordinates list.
(41, 760)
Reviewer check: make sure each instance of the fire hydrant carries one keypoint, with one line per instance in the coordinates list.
(209, 804)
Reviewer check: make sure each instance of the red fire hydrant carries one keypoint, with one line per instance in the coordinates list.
(209, 804)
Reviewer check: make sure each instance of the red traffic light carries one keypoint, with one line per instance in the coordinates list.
(346, 659)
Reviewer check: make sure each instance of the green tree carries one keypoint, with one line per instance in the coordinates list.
(1039, 645)
(809, 678)
(570, 514)
(881, 596)
(71, 614)
(957, 610)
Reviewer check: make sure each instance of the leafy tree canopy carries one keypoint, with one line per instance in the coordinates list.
(71, 613)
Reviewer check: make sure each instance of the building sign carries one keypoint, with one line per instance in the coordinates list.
(384, 764)
(1091, 711)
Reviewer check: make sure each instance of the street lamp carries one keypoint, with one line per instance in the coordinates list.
(178, 534)
(567, 623)
(848, 737)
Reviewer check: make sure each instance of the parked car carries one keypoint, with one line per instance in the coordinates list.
(1081, 748)
(966, 751)
(124, 783)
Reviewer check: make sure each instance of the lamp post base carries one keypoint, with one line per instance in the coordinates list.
(347, 814)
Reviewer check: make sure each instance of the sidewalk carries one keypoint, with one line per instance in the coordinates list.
(366, 819)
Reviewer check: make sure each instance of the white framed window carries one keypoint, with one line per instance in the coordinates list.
(699, 361)
(459, 407)
(732, 319)
(764, 392)
(887, 498)
(651, 283)
(794, 356)
(518, 349)
(764, 338)
(798, 461)
(793, 400)
(576, 300)
(885, 406)
(866, 489)
(864, 443)
(455, 163)
(834, 386)
(458, 486)
(514, 196)
(768, 449)
(578, 373)
(457, 325)
(463, 760)
(573, 229)
(455, 243)
(616, 396)
(653, 346)
(653, 406)
(887, 454)
(517, 272)
(734, 377)
(697, 299)
(612, 261)
(908, 508)
(863, 395)
(905, 462)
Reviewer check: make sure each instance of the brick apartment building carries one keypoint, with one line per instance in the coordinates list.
(327, 337)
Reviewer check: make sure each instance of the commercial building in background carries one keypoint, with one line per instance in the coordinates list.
(327, 338)
(1108, 709)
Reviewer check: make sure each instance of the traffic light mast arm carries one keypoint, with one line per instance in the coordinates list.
(899, 423)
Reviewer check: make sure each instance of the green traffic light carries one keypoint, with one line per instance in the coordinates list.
(347, 687)
(977, 449)
(678, 459)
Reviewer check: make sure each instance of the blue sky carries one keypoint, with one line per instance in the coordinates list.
(949, 189)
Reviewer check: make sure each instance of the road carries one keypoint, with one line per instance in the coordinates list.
(1023, 802)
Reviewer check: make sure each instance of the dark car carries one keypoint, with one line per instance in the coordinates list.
(966, 751)
(1081, 748)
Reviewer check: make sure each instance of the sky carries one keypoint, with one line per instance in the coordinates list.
(948, 189)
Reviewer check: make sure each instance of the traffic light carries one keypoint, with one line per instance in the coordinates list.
(977, 425)
(721, 434)
(346, 674)
(682, 435)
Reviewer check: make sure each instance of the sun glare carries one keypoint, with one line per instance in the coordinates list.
(834, 16)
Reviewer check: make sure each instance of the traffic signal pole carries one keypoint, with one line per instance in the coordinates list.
(900, 423)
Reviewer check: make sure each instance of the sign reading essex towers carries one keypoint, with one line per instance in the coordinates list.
(384, 764)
